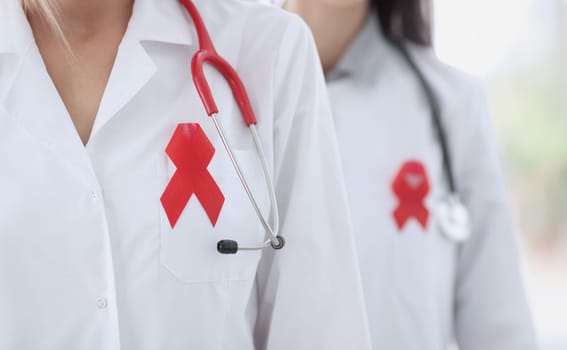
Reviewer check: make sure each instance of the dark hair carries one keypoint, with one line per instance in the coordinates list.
(406, 20)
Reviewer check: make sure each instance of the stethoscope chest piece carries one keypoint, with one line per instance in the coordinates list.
(453, 219)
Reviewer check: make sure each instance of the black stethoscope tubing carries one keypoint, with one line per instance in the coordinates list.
(435, 110)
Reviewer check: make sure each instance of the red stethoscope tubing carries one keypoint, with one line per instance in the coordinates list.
(208, 54)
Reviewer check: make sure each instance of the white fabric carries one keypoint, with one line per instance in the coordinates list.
(422, 289)
(87, 257)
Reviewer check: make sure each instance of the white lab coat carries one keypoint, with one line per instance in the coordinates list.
(88, 259)
(422, 289)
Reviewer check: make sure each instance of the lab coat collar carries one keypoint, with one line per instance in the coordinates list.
(15, 32)
(152, 20)
(364, 55)
(26, 91)
(162, 21)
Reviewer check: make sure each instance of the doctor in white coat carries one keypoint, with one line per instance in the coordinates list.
(93, 255)
(419, 155)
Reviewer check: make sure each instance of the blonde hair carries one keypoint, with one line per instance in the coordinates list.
(49, 11)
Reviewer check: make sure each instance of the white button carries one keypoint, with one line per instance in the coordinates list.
(92, 194)
(102, 303)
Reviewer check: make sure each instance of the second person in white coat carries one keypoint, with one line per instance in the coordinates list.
(425, 287)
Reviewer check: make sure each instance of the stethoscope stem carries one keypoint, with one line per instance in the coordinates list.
(267, 178)
(266, 244)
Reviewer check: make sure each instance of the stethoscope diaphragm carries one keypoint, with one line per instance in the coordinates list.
(453, 218)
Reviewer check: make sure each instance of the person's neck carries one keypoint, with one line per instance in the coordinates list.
(81, 20)
(334, 25)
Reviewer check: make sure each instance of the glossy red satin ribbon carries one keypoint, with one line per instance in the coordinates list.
(191, 152)
(411, 186)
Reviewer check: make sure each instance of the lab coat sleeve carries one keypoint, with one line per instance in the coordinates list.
(491, 311)
(309, 292)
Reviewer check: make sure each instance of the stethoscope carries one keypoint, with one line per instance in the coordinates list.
(208, 54)
(451, 214)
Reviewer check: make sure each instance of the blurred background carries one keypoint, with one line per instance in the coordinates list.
(519, 49)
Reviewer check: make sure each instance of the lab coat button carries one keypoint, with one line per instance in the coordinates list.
(92, 194)
(102, 303)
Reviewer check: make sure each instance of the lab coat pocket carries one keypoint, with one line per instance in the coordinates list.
(189, 248)
(425, 265)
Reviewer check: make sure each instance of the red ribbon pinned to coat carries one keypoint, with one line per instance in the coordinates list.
(191, 152)
(411, 186)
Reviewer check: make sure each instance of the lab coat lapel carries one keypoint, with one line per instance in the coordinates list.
(132, 70)
(33, 102)
(28, 96)
(15, 34)
(163, 21)
(15, 39)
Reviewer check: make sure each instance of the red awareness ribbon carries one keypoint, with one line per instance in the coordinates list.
(411, 186)
(191, 152)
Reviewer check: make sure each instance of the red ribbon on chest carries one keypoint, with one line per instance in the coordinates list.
(411, 186)
(191, 152)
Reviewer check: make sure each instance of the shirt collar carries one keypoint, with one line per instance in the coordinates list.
(364, 55)
(152, 20)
